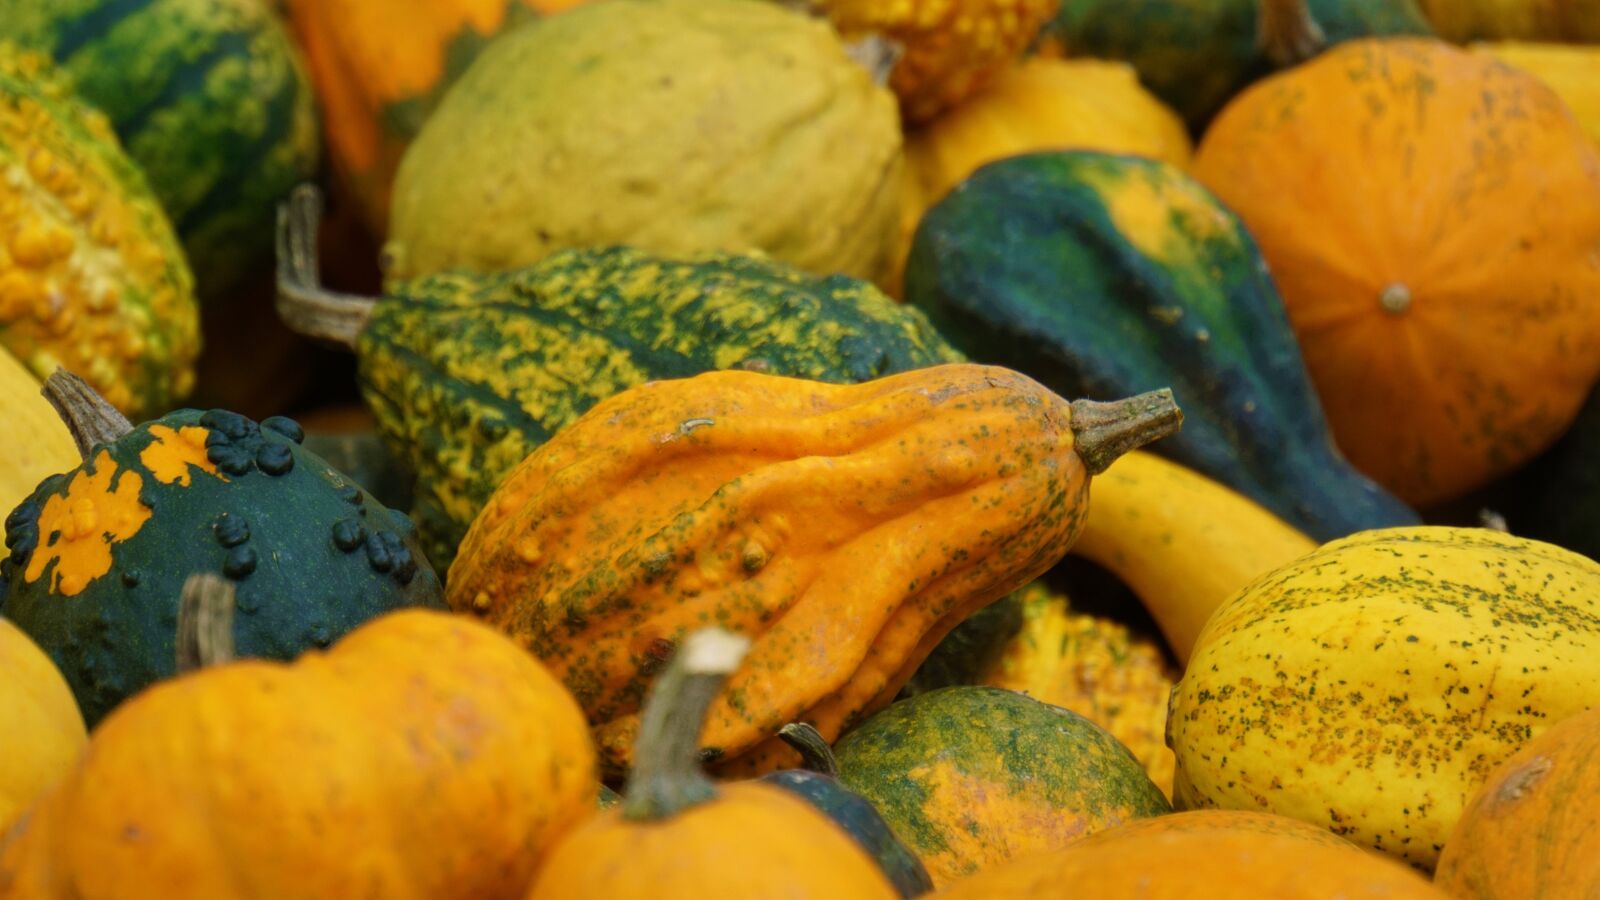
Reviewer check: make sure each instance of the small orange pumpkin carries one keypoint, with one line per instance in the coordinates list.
(1431, 218)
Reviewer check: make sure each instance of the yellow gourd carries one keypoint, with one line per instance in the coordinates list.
(1573, 72)
(36, 444)
(41, 730)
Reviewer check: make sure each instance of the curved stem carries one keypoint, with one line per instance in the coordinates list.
(666, 776)
(815, 754)
(303, 304)
(1287, 32)
(877, 54)
(88, 417)
(205, 622)
(1105, 431)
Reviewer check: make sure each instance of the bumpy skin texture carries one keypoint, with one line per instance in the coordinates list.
(852, 813)
(44, 730)
(516, 357)
(951, 48)
(751, 840)
(1373, 685)
(1530, 830)
(381, 66)
(1104, 276)
(844, 529)
(1209, 855)
(210, 100)
(38, 444)
(1432, 227)
(675, 126)
(972, 777)
(1541, 20)
(1196, 54)
(1094, 667)
(424, 756)
(1572, 71)
(99, 554)
(91, 276)
(1184, 543)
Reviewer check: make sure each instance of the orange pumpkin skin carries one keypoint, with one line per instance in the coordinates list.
(1431, 218)
(1531, 831)
(1204, 855)
(844, 528)
(379, 66)
(422, 756)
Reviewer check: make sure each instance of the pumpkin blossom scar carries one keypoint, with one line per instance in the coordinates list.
(99, 509)
(173, 451)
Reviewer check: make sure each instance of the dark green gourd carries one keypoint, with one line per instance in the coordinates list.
(97, 556)
(1103, 276)
(467, 373)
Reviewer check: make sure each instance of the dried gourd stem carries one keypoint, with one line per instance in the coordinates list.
(877, 54)
(815, 754)
(1287, 32)
(205, 622)
(303, 304)
(1105, 431)
(88, 417)
(666, 775)
(1494, 521)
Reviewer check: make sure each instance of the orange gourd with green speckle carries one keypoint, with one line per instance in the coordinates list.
(846, 528)
(1373, 685)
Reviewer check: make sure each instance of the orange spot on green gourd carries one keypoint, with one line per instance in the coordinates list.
(173, 451)
(100, 508)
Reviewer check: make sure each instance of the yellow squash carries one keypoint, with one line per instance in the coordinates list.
(1372, 686)
(41, 730)
(1182, 542)
(36, 444)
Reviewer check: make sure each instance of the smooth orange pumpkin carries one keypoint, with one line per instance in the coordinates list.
(1431, 217)
(1203, 855)
(422, 756)
(1532, 830)
(43, 729)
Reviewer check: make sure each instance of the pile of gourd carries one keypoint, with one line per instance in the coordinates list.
(856, 448)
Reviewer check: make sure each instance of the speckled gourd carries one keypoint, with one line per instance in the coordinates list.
(1373, 685)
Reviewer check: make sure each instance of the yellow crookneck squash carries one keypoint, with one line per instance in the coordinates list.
(43, 730)
(37, 445)
(845, 528)
(423, 756)
(1431, 217)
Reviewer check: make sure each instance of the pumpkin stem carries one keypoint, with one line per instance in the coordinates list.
(667, 777)
(1287, 32)
(89, 418)
(1105, 431)
(205, 622)
(303, 303)
(815, 754)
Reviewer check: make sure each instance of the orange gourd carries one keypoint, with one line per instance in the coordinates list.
(1572, 71)
(1531, 831)
(1203, 855)
(1431, 218)
(422, 756)
(845, 528)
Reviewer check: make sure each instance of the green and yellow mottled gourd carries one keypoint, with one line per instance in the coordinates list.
(1372, 686)
(467, 374)
(845, 528)
(91, 276)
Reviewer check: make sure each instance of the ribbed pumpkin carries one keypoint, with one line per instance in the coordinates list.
(43, 728)
(1372, 686)
(422, 756)
(37, 445)
(972, 777)
(1540, 20)
(1432, 229)
(97, 554)
(91, 276)
(845, 528)
(211, 101)
(1210, 855)
(1572, 72)
(1040, 104)
(672, 126)
(678, 835)
(1529, 832)
(380, 67)
(950, 48)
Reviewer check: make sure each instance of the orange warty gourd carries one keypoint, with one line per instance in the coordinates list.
(844, 528)
(677, 835)
(1203, 855)
(424, 755)
(1431, 217)
(1532, 831)
(42, 726)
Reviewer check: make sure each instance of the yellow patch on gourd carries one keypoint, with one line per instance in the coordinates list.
(100, 508)
(173, 451)
(1162, 215)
